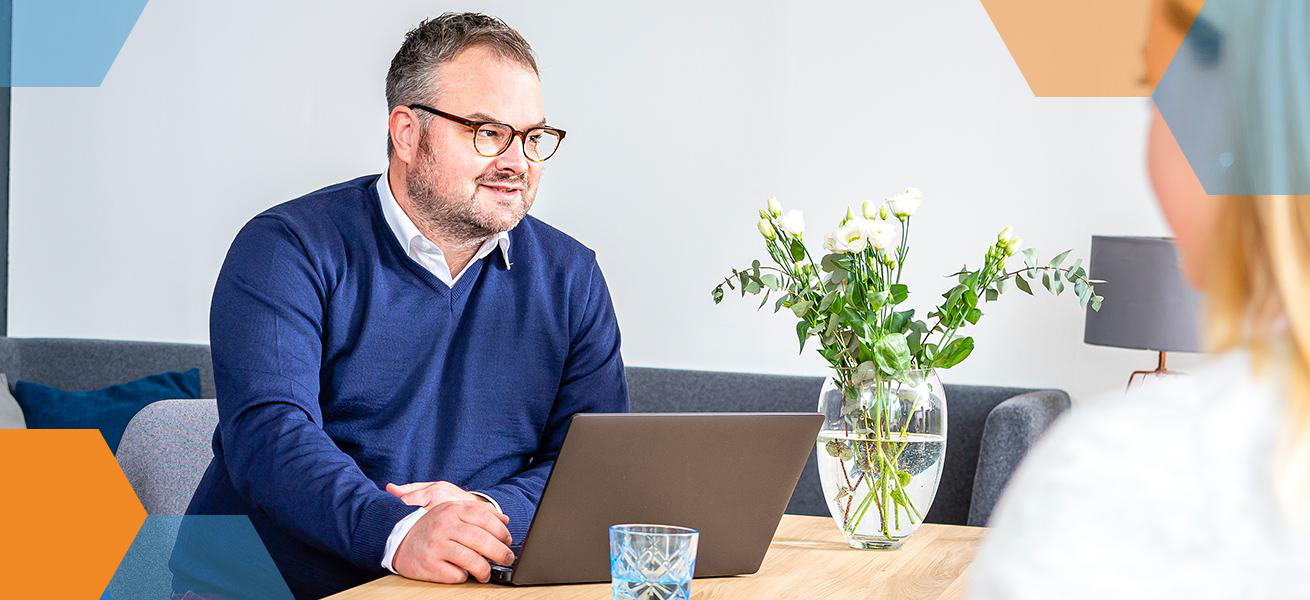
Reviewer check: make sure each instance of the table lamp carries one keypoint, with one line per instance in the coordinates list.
(1148, 305)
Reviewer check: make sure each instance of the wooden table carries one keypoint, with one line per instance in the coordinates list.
(807, 559)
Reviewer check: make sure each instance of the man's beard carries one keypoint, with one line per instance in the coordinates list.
(461, 218)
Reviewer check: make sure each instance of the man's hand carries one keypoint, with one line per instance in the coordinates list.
(455, 540)
(429, 494)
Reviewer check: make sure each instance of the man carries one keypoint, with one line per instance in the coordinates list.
(397, 357)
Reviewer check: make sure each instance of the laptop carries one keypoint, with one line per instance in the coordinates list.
(728, 475)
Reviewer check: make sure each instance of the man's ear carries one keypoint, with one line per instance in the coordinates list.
(404, 127)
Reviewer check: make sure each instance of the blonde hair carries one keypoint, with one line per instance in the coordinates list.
(1258, 287)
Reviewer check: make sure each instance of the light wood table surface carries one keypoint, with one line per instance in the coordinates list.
(807, 559)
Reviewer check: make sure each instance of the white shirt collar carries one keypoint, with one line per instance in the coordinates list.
(419, 247)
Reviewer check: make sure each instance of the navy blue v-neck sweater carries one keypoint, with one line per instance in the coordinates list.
(341, 365)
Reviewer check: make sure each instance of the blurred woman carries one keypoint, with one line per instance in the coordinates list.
(1198, 486)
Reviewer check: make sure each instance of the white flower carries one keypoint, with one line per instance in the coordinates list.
(1005, 235)
(775, 207)
(793, 222)
(766, 229)
(849, 238)
(905, 203)
(1013, 245)
(883, 235)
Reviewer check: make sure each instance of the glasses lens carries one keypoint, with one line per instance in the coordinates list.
(492, 138)
(542, 143)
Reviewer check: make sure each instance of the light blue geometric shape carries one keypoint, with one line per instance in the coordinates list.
(223, 556)
(65, 43)
(1236, 97)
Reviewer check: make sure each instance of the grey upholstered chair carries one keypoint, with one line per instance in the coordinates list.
(164, 451)
(166, 447)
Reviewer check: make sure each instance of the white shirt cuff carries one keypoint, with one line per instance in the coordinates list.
(489, 499)
(397, 536)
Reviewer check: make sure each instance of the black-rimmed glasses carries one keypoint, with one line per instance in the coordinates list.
(492, 139)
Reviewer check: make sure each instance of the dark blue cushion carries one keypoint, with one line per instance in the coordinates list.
(107, 409)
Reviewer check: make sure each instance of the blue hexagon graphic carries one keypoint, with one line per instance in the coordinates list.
(211, 556)
(65, 43)
(1237, 97)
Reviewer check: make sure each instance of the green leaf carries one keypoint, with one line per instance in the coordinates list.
(717, 294)
(802, 333)
(1000, 285)
(879, 300)
(1030, 257)
(1022, 284)
(973, 315)
(1059, 258)
(828, 263)
(800, 308)
(892, 353)
(1046, 281)
(827, 301)
(1072, 275)
(1084, 295)
(752, 287)
(1096, 303)
(755, 269)
(899, 292)
(770, 281)
(765, 300)
(953, 353)
(899, 321)
(777, 306)
(992, 294)
(797, 250)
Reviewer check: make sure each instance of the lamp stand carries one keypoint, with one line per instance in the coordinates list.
(1160, 371)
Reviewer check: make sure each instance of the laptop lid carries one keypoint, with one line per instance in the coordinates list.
(728, 475)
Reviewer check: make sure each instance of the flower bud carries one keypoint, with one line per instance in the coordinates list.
(870, 209)
(766, 229)
(775, 207)
(1004, 236)
(764, 214)
(1012, 246)
(850, 216)
(882, 212)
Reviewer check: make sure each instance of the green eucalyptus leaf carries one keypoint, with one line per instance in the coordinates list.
(1022, 284)
(1059, 258)
(800, 308)
(1084, 295)
(717, 294)
(765, 300)
(992, 294)
(827, 300)
(802, 333)
(770, 281)
(1030, 257)
(828, 263)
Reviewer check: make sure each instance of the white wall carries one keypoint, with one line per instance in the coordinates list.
(682, 118)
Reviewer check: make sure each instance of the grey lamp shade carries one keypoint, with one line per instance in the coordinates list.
(1148, 305)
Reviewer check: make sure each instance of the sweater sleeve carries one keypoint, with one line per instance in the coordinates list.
(266, 326)
(593, 382)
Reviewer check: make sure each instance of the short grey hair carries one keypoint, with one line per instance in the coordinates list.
(413, 73)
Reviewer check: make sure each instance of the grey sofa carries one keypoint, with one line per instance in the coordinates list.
(167, 445)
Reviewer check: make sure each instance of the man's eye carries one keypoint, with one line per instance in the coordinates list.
(489, 133)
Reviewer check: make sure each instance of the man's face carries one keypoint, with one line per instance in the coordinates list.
(455, 189)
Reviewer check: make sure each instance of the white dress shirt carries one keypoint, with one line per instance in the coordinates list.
(425, 253)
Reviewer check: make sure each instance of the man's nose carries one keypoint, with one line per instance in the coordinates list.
(513, 159)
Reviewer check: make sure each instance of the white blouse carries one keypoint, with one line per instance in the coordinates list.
(1167, 492)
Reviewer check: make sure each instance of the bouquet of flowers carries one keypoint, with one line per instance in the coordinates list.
(852, 301)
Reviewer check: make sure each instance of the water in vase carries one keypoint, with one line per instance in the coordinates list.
(901, 471)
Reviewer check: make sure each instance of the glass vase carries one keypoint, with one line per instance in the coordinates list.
(880, 454)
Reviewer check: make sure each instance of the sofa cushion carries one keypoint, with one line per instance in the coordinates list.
(108, 409)
(11, 415)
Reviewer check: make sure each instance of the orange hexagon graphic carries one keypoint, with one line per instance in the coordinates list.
(70, 514)
(1092, 48)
